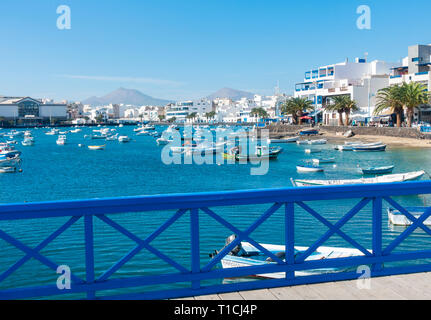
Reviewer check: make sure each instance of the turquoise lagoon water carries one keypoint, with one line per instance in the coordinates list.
(52, 172)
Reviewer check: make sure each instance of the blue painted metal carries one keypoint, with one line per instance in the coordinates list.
(200, 204)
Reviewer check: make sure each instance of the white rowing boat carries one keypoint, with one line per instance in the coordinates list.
(396, 218)
(246, 255)
(97, 147)
(309, 168)
(400, 177)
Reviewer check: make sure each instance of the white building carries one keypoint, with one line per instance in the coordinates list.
(181, 110)
(32, 111)
(415, 67)
(360, 80)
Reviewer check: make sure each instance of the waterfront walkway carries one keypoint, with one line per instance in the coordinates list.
(402, 287)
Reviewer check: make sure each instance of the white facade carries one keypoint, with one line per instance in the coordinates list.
(181, 110)
(361, 80)
(416, 67)
(19, 108)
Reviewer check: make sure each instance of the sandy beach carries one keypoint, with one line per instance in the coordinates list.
(390, 141)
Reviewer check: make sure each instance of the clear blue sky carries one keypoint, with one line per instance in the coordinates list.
(188, 49)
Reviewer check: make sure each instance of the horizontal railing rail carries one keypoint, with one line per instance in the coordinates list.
(194, 207)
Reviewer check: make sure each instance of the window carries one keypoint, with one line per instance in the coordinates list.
(418, 59)
(28, 108)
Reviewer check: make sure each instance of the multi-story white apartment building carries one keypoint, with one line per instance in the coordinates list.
(360, 80)
(416, 67)
(240, 111)
(181, 110)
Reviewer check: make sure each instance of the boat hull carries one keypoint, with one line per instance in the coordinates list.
(403, 177)
(398, 219)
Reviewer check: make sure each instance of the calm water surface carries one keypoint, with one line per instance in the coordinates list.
(52, 172)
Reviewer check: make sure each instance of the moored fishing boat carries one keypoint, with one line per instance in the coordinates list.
(27, 142)
(310, 151)
(261, 152)
(378, 170)
(97, 147)
(162, 141)
(309, 132)
(124, 139)
(61, 141)
(396, 218)
(401, 177)
(365, 148)
(350, 146)
(8, 169)
(8, 151)
(309, 168)
(284, 140)
(9, 161)
(318, 142)
(246, 255)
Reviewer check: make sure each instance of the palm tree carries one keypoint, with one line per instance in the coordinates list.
(259, 113)
(390, 98)
(210, 115)
(192, 116)
(413, 95)
(350, 105)
(296, 107)
(339, 104)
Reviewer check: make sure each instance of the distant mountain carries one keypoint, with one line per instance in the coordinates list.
(126, 96)
(230, 94)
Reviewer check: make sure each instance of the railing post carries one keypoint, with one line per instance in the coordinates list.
(89, 254)
(289, 218)
(195, 249)
(377, 231)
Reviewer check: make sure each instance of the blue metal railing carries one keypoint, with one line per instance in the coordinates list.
(195, 206)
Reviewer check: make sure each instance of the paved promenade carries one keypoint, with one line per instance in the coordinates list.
(402, 287)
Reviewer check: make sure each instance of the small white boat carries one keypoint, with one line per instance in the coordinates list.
(309, 168)
(246, 255)
(310, 151)
(7, 169)
(163, 141)
(351, 146)
(112, 138)
(53, 132)
(61, 141)
(284, 140)
(378, 170)
(97, 147)
(27, 142)
(317, 142)
(401, 177)
(344, 148)
(373, 148)
(396, 218)
(124, 139)
(302, 142)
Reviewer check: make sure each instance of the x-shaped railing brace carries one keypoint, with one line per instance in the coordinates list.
(141, 245)
(416, 223)
(241, 236)
(333, 229)
(35, 253)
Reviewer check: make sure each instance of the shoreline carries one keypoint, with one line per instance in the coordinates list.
(390, 141)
